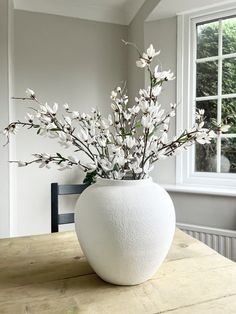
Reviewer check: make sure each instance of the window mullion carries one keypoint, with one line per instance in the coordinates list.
(219, 103)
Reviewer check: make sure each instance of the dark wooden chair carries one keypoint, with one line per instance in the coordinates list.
(64, 189)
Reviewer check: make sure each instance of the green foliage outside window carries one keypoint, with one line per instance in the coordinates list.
(207, 85)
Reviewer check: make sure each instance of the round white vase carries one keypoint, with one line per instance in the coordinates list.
(125, 228)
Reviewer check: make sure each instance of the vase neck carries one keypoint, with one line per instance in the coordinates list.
(112, 182)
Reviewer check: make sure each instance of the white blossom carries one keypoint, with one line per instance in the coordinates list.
(21, 163)
(91, 166)
(163, 75)
(30, 93)
(29, 117)
(141, 63)
(75, 114)
(123, 144)
(52, 110)
(66, 107)
(147, 122)
(225, 128)
(151, 52)
(134, 110)
(73, 159)
(113, 95)
(130, 141)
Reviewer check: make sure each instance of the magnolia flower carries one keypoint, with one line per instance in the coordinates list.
(21, 163)
(134, 110)
(147, 168)
(144, 106)
(135, 167)
(83, 135)
(144, 93)
(30, 93)
(151, 52)
(102, 142)
(52, 110)
(127, 115)
(45, 119)
(119, 158)
(130, 141)
(117, 175)
(199, 114)
(113, 95)
(106, 165)
(225, 128)
(64, 139)
(29, 118)
(75, 114)
(106, 123)
(203, 138)
(164, 137)
(141, 63)
(147, 122)
(164, 75)
(91, 166)
(43, 110)
(156, 90)
(119, 140)
(66, 107)
(73, 159)
(11, 129)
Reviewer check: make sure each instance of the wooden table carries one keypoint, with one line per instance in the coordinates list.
(49, 274)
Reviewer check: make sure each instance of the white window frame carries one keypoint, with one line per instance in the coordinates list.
(186, 89)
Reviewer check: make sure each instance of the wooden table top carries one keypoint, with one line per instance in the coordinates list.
(49, 274)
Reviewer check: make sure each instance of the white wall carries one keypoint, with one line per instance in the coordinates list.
(136, 78)
(162, 34)
(205, 210)
(64, 60)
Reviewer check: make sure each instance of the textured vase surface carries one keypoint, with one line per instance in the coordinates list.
(125, 228)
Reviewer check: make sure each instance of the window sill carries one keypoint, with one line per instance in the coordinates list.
(194, 189)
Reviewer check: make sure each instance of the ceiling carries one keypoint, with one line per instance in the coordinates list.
(114, 11)
(111, 11)
(170, 8)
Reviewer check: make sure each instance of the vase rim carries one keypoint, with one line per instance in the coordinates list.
(104, 181)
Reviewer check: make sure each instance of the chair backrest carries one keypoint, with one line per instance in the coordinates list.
(63, 189)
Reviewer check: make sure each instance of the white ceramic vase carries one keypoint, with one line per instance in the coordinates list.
(125, 228)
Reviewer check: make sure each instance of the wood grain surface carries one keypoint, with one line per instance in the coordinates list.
(49, 274)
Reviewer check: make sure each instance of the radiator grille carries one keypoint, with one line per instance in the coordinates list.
(222, 241)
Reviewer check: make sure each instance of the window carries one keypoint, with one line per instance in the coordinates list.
(206, 79)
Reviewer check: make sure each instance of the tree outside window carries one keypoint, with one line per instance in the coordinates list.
(216, 92)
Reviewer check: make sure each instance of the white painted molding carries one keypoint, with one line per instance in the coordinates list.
(117, 12)
(186, 56)
(179, 93)
(200, 189)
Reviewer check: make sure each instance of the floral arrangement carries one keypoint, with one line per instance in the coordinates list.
(126, 143)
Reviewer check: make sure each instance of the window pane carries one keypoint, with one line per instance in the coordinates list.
(210, 107)
(229, 113)
(205, 157)
(229, 35)
(207, 78)
(207, 40)
(229, 75)
(228, 157)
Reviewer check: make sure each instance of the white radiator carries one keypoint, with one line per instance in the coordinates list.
(222, 241)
